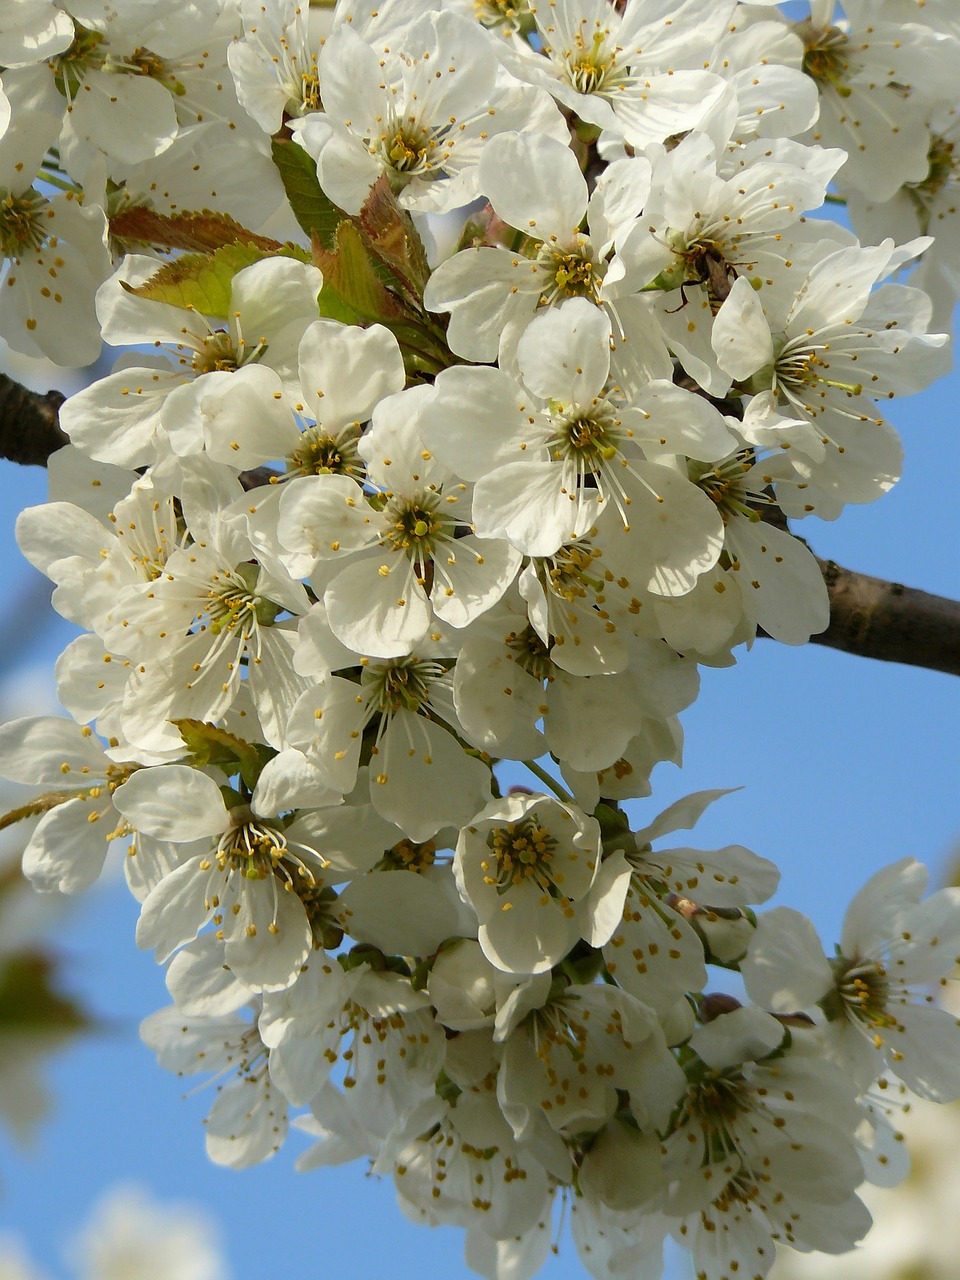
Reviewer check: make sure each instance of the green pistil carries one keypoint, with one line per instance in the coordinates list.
(569, 572)
(235, 606)
(252, 848)
(403, 152)
(509, 15)
(219, 354)
(824, 57)
(21, 222)
(724, 485)
(797, 367)
(524, 852)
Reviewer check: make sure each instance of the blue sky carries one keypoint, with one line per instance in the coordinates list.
(845, 765)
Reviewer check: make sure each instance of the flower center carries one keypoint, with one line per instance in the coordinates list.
(217, 354)
(724, 485)
(319, 454)
(592, 68)
(403, 685)
(590, 439)
(713, 1104)
(21, 222)
(252, 847)
(824, 57)
(234, 605)
(524, 853)
(310, 99)
(417, 528)
(574, 272)
(408, 855)
(83, 55)
(864, 992)
(509, 15)
(942, 172)
(800, 368)
(410, 150)
(530, 653)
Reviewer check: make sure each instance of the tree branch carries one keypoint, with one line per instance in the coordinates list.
(888, 621)
(29, 423)
(868, 616)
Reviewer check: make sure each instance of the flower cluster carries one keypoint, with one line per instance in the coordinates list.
(480, 356)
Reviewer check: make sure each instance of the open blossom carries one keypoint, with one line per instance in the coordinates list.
(527, 865)
(892, 944)
(248, 1120)
(79, 819)
(53, 252)
(639, 76)
(247, 880)
(561, 448)
(408, 553)
(492, 294)
(419, 112)
(219, 378)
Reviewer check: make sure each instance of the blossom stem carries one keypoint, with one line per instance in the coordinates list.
(545, 778)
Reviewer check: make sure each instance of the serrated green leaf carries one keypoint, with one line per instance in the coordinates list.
(313, 209)
(210, 745)
(201, 281)
(333, 307)
(349, 270)
(393, 238)
(198, 232)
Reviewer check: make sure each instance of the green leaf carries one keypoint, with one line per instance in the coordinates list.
(349, 270)
(313, 210)
(394, 240)
(193, 231)
(210, 745)
(203, 281)
(28, 1000)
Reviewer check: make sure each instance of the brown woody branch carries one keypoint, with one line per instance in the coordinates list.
(29, 423)
(868, 616)
(886, 620)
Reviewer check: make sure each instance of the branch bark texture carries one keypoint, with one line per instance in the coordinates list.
(29, 423)
(869, 616)
(886, 620)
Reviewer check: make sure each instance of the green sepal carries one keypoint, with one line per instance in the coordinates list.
(613, 821)
(210, 745)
